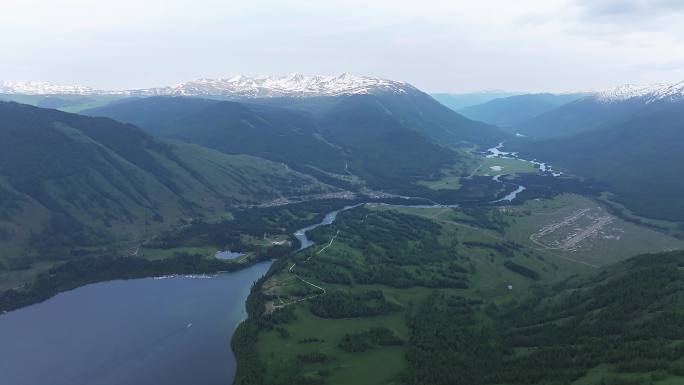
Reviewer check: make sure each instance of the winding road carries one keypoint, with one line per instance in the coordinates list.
(296, 276)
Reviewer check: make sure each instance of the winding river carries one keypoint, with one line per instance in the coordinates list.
(329, 218)
(166, 330)
(496, 152)
(172, 331)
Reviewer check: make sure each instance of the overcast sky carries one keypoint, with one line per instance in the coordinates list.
(437, 45)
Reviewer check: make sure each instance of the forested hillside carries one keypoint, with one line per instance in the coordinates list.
(381, 149)
(91, 181)
(395, 298)
(274, 133)
(640, 159)
(623, 326)
(511, 111)
(587, 114)
(389, 140)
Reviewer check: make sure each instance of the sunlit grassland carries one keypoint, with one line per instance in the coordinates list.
(496, 166)
(603, 248)
(450, 178)
(375, 366)
(382, 365)
(527, 219)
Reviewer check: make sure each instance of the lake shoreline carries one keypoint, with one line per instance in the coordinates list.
(135, 331)
(74, 274)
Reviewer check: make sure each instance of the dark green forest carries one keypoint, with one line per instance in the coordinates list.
(621, 325)
(638, 160)
(628, 317)
(94, 181)
(390, 142)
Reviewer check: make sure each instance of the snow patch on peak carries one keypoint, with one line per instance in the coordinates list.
(239, 86)
(42, 88)
(672, 92)
(644, 93)
(293, 85)
(625, 92)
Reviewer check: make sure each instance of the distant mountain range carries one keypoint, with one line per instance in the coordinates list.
(600, 109)
(354, 131)
(646, 94)
(294, 85)
(539, 115)
(629, 137)
(92, 180)
(510, 111)
(459, 101)
(389, 139)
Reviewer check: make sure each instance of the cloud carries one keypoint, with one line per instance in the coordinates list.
(628, 9)
(435, 44)
(630, 15)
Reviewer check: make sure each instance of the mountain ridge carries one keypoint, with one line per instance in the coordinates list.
(239, 86)
(610, 107)
(87, 181)
(646, 93)
(510, 111)
(637, 155)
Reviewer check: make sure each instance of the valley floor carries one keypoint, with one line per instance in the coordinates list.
(321, 325)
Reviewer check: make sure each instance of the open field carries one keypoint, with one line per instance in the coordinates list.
(568, 227)
(575, 227)
(308, 333)
(152, 254)
(505, 254)
(14, 278)
(375, 366)
(571, 232)
(446, 182)
(450, 178)
(496, 166)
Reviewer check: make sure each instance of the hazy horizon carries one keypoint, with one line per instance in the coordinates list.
(445, 92)
(532, 46)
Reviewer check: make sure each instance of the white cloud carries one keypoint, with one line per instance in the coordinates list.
(437, 45)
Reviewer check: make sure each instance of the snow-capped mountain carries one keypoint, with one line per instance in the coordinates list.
(604, 108)
(42, 88)
(294, 85)
(647, 94)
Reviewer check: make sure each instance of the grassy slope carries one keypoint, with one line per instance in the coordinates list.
(489, 280)
(632, 158)
(614, 242)
(67, 103)
(422, 113)
(580, 116)
(449, 180)
(185, 249)
(387, 140)
(89, 182)
(513, 110)
(359, 244)
(273, 133)
(382, 150)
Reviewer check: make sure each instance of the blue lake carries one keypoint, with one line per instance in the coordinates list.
(168, 331)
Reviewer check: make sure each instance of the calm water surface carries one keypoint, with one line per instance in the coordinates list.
(172, 331)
